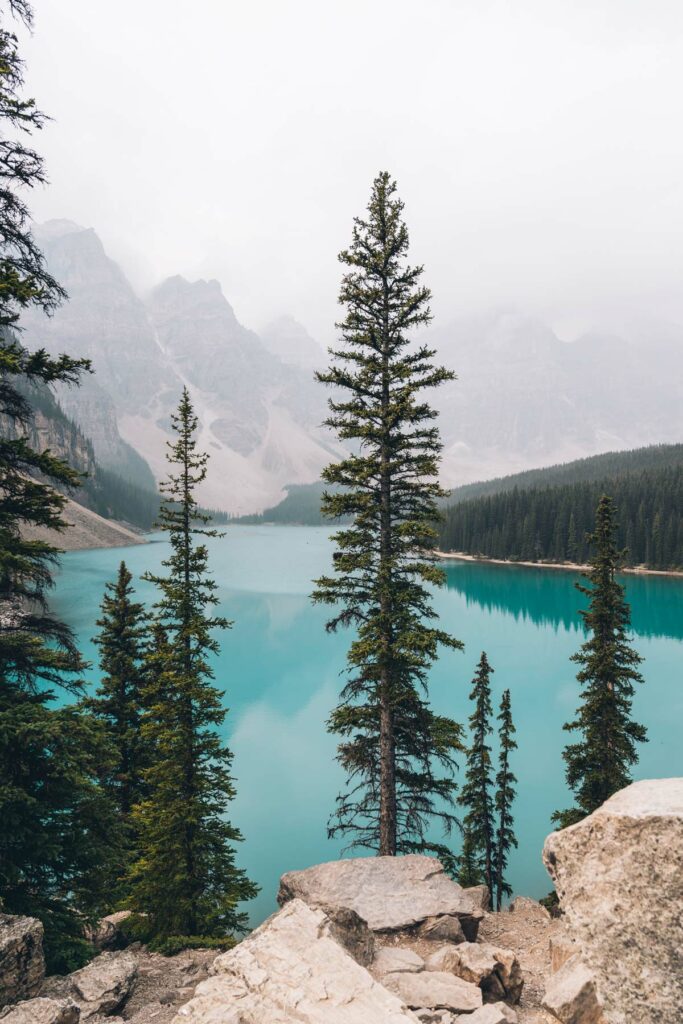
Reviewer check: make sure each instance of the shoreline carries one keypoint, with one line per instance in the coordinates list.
(461, 556)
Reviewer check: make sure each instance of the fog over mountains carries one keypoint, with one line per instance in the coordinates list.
(523, 397)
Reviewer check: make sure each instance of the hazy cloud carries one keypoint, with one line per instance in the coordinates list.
(537, 145)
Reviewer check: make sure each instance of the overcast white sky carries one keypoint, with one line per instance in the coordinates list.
(538, 145)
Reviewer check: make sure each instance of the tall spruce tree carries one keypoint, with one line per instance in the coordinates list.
(599, 764)
(56, 834)
(119, 701)
(476, 794)
(505, 795)
(186, 879)
(398, 755)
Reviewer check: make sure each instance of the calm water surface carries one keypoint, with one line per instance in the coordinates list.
(281, 672)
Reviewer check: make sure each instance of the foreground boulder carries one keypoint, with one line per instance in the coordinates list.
(101, 987)
(22, 965)
(292, 968)
(619, 877)
(390, 893)
(42, 1011)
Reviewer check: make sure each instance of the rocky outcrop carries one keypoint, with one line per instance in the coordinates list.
(390, 893)
(100, 987)
(292, 968)
(619, 879)
(22, 965)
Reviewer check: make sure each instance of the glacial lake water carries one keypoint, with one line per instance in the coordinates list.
(280, 672)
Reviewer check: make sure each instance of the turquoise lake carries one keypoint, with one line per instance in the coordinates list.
(281, 673)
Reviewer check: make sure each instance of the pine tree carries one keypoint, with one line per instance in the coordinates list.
(119, 701)
(476, 795)
(468, 871)
(598, 765)
(56, 833)
(392, 745)
(505, 795)
(186, 879)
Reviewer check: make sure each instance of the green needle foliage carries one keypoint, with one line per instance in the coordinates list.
(505, 795)
(476, 794)
(468, 867)
(599, 764)
(119, 701)
(56, 836)
(186, 879)
(392, 745)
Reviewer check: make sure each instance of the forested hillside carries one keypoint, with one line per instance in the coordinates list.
(549, 520)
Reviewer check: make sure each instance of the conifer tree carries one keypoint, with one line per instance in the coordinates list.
(392, 745)
(599, 763)
(476, 794)
(186, 879)
(505, 795)
(56, 834)
(119, 700)
(468, 871)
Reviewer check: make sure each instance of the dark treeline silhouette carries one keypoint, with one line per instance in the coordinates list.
(552, 523)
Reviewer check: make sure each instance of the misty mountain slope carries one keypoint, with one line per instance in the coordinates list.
(524, 398)
(259, 416)
(286, 338)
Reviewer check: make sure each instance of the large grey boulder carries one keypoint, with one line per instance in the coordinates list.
(42, 1011)
(619, 877)
(390, 893)
(101, 987)
(22, 965)
(292, 968)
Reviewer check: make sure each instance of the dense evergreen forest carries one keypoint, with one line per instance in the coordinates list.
(551, 522)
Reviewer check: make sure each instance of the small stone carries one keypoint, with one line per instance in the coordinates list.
(494, 969)
(103, 985)
(444, 928)
(480, 896)
(43, 1011)
(395, 959)
(571, 994)
(434, 990)
(492, 1013)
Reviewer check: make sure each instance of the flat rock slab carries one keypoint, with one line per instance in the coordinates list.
(619, 879)
(492, 1013)
(396, 960)
(435, 990)
(292, 968)
(389, 893)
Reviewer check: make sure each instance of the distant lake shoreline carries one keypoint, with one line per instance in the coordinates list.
(635, 570)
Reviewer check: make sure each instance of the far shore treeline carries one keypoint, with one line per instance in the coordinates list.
(119, 797)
